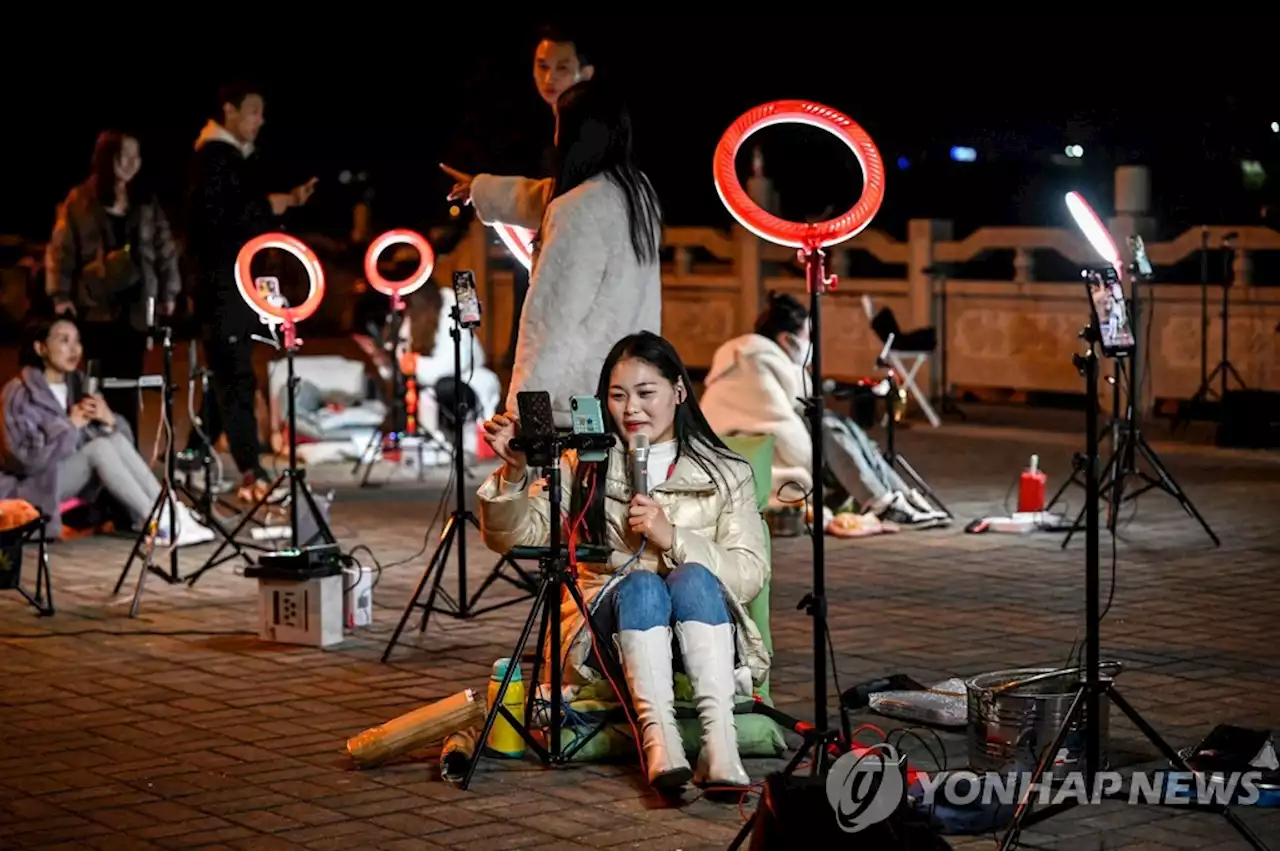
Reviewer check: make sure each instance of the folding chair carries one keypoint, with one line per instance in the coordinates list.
(11, 545)
(910, 352)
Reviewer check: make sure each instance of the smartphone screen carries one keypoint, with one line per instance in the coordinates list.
(464, 288)
(588, 419)
(1110, 313)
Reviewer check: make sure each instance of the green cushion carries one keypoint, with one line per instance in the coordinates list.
(758, 736)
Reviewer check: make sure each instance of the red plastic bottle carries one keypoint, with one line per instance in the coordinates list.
(1031, 488)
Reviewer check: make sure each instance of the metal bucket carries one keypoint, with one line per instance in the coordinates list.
(1015, 714)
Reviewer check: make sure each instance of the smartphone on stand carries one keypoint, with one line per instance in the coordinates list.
(588, 419)
(464, 289)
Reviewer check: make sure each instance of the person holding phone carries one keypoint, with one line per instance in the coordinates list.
(228, 206)
(58, 442)
(687, 558)
(111, 254)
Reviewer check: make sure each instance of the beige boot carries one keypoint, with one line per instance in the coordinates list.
(646, 660)
(708, 658)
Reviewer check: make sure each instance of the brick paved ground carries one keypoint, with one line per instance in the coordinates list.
(117, 741)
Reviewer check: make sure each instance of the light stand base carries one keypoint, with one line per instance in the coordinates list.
(1122, 466)
(555, 576)
(455, 532)
(464, 608)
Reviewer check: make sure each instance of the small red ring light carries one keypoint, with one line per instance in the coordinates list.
(796, 234)
(399, 236)
(270, 313)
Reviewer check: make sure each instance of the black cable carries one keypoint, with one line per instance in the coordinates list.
(940, 762)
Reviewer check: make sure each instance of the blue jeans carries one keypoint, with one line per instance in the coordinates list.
(642, 600)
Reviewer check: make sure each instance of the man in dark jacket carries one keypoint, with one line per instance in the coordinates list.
(228, 207)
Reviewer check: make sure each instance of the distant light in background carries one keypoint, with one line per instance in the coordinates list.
(904, 163)
(1275, 126)
(962, 154)
(455, 211)
(1074, 151)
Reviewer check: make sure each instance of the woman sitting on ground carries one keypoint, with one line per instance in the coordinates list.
(692, 555)
(755, 386)
(57, 442)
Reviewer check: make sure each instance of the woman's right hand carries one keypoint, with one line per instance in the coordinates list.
(498, 433)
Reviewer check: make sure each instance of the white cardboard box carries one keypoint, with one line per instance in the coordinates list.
(305, 612)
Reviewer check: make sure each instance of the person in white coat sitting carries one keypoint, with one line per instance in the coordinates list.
(596, 270)
(756, 385)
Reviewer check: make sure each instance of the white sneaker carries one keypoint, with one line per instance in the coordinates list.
(918, 500)
(902, 512)
(190, 530)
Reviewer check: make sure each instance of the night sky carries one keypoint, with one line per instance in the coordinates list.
(1188, 98)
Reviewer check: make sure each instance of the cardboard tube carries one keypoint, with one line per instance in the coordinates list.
(458, 751)
(416, 729)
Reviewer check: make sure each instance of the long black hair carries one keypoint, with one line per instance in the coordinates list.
(102, 169)
(595, 139)
(695, 438)
(784, 315)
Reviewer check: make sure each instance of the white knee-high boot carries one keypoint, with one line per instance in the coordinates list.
(646, 660)
(708, 659)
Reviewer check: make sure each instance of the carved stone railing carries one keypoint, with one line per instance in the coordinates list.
(1014, 334)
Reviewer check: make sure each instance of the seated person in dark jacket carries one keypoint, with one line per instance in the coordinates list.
(57, 442)
(228, 206)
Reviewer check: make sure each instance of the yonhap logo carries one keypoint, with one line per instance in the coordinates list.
(865, 788)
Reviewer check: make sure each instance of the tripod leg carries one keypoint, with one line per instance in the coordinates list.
(540, 602)
(1181, 764)
(1046, 759)
(900, 461)
(437, 561)
(1172, 487)
(152, 517)
(321, 523)
(244, 521)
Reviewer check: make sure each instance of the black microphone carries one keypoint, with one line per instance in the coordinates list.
(638, 453)
(92, 382)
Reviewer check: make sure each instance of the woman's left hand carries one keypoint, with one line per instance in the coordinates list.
(647, 517)
(100, 412)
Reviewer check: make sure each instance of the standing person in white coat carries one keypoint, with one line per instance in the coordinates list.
(596, 270)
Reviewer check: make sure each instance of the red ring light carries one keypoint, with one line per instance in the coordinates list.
(400, 236)
(271, 314)
(795, 234)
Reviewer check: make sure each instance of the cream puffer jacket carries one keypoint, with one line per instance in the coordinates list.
(720, 529)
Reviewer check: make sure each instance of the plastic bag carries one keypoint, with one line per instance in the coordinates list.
(944, 704)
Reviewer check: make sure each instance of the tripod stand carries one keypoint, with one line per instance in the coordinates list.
(144, 544)
(455, 532)
(203, 502)
(402, 420)
(555, 577)
(1089, 695)
(892, 456)
(818, 739)
(296, 477)
(946, 401)
(1129, 443)
(1225, 368)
